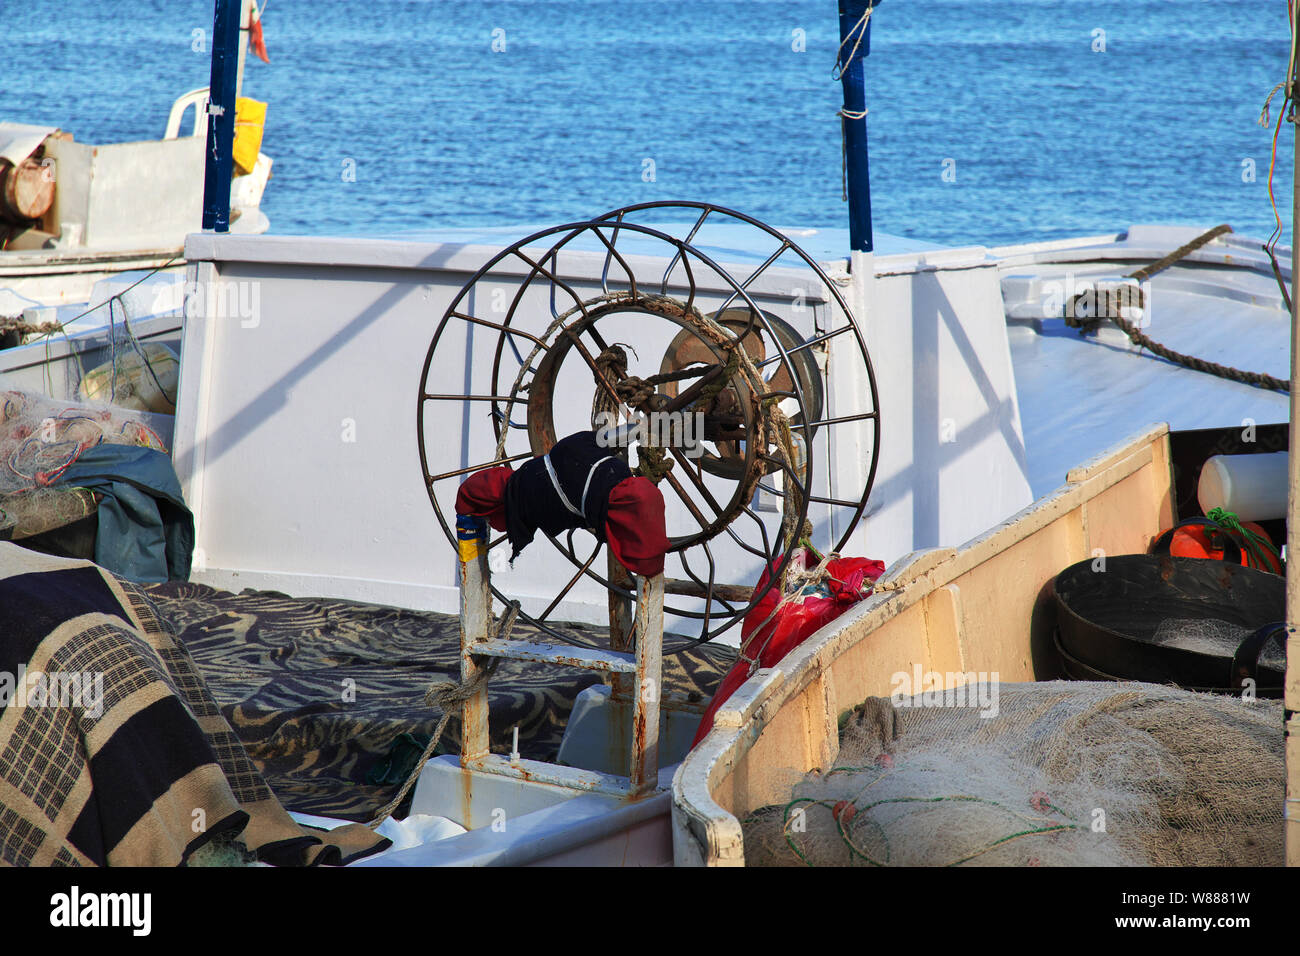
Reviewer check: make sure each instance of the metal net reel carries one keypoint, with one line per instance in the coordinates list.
(626, 320)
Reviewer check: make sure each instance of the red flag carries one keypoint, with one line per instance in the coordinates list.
(255, 38)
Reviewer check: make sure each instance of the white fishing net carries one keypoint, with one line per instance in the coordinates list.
(40, 438)
(1062, 774)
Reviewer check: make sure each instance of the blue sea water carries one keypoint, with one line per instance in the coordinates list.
(1043, 132)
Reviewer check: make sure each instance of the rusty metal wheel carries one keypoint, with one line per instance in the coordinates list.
(642, 317)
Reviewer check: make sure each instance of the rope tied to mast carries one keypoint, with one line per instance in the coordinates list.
(846, 115)
(860, 29)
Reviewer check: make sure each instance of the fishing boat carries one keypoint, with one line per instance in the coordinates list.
(81, 223)
(334, 392)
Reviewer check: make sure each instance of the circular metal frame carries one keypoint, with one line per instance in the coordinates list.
(565, 336)
(724, 464)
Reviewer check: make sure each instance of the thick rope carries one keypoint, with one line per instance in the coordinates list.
(652, 462)
(448, 695)
(1182, 252)
(1140, 339)
(15, 323)
(612, 365)
(551, 329)
(632, 390)
(1256, 379)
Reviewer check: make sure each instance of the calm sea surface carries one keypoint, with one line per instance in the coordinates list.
(1043, 133)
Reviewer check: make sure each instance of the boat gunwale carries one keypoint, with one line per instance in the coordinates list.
(739, 723)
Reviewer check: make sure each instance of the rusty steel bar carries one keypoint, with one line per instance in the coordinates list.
(738, 593)
(621, 622)
(508, 330)
(690, 237)
(687, 501)
(587, 658)
(806, 344)
(535, 771)
(431, 397)
(569, 587)
(861, 416)
(744, 286)
(692, 391)
(631, 276)
(680, 456)
(644, 774)
(475, 613)
(487, 464)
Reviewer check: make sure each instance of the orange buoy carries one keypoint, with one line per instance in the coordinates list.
(1215, 542)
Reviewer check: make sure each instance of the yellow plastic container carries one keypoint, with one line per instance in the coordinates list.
(250, 121)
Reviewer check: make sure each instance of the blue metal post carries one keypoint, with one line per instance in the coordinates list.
(855, 125)
(221, 115)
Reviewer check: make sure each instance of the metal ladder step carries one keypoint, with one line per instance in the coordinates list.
(640, 672)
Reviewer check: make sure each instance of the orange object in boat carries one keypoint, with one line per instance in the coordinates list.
(1205, 538)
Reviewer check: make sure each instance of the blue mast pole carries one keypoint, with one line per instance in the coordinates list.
(221, 115)
(856, 33)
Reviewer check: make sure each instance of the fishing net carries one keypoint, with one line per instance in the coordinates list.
(105, 361)
(40, 438)
(1058, 774)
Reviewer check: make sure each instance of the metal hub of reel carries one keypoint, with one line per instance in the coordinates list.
(566, 315)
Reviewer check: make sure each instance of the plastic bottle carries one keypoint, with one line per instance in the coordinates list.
(1253, 487)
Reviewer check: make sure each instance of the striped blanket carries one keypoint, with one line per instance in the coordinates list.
(326, 693)
(112, 750)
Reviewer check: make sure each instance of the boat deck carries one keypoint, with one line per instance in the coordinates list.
(1078, 394)
(328, 695)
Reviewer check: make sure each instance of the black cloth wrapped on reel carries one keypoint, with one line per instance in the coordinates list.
(1201, 624)
(578, 484)
(567, 488)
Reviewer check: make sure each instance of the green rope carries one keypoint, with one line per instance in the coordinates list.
(1258, 548)
(861, 814)
(808, 545)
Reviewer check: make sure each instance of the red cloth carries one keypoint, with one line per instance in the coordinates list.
(256, 40)
(635, 528)
(634, 521)
(765, 640)
(483, 494)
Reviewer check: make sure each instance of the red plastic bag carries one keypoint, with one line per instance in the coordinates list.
(765, 639)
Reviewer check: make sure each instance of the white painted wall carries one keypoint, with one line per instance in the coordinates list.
(953, 457)
(283, 501)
